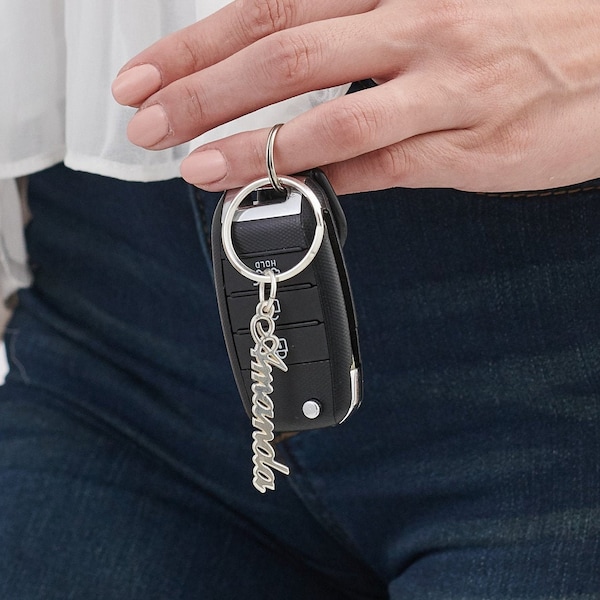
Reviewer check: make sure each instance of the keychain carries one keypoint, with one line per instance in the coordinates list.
(286, 307)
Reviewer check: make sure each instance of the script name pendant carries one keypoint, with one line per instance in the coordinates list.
(263, 358)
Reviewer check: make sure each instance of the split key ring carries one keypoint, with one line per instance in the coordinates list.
(272, 174)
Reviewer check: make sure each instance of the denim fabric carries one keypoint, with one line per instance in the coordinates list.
(471, 471)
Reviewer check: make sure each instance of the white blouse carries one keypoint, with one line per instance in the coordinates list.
(57, 61)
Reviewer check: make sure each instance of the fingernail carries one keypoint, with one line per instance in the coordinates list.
(148, 126)
(204, 167)
(136, 84)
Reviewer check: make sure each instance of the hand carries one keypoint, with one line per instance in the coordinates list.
(475, 95)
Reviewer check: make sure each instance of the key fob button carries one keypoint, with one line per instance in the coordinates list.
(311, 409)
(292, 306)
(301, 344)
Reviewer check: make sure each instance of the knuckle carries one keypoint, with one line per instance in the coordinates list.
(452, 15)
(263, 17)
(393, 165)
(498, 141)
(514, 141)
(454, 25)
(290, 58)
(256, 159)
(191, 101)
(351, 126)
(187, 52)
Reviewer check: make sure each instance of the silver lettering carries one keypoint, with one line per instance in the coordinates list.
(264, 357)
(261, 265)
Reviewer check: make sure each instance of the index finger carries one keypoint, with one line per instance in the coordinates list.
(207, 42)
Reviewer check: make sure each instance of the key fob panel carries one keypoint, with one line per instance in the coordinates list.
(315, 317)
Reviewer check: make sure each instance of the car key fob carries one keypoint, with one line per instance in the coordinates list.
(291, 241)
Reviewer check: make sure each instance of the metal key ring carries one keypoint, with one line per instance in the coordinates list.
(226, 229)
(271, 173)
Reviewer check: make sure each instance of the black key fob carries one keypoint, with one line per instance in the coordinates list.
(296, 236)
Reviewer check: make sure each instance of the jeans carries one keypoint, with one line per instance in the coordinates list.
(470, 472)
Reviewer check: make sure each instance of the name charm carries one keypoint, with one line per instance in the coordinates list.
(263, 358)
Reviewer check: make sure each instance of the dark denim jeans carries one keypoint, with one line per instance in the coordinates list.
(471, 471)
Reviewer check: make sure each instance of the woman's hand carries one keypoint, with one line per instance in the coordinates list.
(476, 95)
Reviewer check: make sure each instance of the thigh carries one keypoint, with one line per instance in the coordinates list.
(471, 469)
(87, 514)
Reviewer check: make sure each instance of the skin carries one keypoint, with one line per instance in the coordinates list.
(478, 95)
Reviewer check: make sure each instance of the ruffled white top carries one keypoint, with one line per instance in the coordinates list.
(58, 60)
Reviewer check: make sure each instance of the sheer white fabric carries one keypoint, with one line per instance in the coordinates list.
(59, 58)
(57, 61)
(32, 72)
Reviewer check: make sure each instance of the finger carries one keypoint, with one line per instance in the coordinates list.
(431, 160)
(458, 159)
(211, 40)
(337, 131)
(285, 64)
